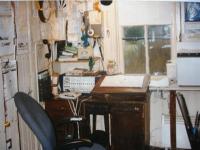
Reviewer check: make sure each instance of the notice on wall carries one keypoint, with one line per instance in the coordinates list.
(9, 71)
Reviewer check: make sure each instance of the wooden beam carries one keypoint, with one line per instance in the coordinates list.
(172, 111)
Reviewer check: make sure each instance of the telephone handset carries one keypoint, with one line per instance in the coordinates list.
(48, 55)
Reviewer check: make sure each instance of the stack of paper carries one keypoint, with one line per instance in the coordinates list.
(69, 54)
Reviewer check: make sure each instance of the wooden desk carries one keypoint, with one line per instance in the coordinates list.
(59, 109)
(173, 88)
(128, 109)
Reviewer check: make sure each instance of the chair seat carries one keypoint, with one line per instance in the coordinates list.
(94, 146)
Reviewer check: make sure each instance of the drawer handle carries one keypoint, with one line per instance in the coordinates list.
(136, 108)
(62, 108)
(107, 96)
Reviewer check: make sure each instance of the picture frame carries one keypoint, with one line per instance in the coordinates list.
(192, 11)
(190, 20)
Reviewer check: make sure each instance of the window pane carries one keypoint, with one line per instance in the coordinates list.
(159, 47)
(134, 50)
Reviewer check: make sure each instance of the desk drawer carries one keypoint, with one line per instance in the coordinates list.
(128, 107)
(130, 119)
(57, 109)
(131, 97)
(98, 108)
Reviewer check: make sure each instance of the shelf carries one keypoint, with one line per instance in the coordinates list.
(67, 66)
(77, 61)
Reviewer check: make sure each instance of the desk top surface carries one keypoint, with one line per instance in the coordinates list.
(162, 83)
(175, 87)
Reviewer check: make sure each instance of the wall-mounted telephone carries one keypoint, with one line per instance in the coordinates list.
(47, 55)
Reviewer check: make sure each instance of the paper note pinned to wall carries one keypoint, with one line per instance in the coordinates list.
(123, 81)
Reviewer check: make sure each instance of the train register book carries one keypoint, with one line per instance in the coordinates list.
(123, 83)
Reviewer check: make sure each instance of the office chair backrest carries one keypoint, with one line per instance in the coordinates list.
(37, 119)
(184, 111)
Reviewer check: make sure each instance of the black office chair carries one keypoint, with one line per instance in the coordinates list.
(193, 139)
(37, 119)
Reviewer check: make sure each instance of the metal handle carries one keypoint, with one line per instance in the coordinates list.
(136, 108)
(62, 108)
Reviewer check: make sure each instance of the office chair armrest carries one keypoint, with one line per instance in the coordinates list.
(76, 144)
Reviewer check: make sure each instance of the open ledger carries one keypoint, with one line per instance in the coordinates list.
(123, 81)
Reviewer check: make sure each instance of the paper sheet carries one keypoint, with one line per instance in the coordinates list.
(123, 81)
(9, 79)
(159, 82)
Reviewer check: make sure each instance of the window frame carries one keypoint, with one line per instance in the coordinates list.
(147, 65)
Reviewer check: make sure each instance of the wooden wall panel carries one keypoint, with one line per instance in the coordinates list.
(21, 21)
(23, 73)
(12, 131)
(28, 140)
(26, 68)
(9, 90)
(2, 116)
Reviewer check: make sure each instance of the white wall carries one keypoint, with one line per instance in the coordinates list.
(142, 13)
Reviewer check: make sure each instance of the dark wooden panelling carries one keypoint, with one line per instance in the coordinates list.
(58, 110)
(129, 121)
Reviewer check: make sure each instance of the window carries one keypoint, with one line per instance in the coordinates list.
(134, 49)
(146, 48)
